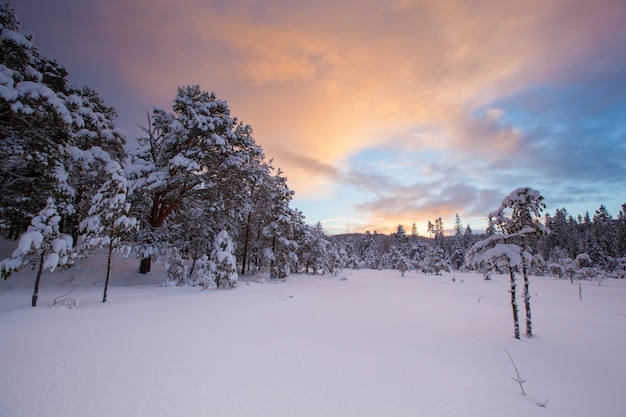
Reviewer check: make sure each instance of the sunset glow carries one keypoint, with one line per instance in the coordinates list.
(379, 113)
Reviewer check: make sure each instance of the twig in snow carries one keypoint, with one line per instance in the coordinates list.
(518, 378)
(481, 297)
(56, 300)
(580, 291)
(542, 405)
(65, 301)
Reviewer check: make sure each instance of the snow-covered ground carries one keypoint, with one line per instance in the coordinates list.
(376, 344)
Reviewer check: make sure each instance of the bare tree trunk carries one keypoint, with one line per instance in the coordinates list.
(529, 322)
(514, 304)
(273, 272)
(106, 281)
(144, 265)
(36, 290)
(245, 245)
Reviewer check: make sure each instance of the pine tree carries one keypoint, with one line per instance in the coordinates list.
(517, 218)
(313, 251)
(34, 126)
(468, 237)
(606, 236)
(197, 152)
(202, 273)
(108, 223)
(42, 246)
(621, 231)
(458, 247)
(434, 262)
(370, 251)
(430, 228)
(400, 250)
(46, 127)
(224, 264)
(281, 226)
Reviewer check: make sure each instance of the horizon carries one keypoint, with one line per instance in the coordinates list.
(378, 114)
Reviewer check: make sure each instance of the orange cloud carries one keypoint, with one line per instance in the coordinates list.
(322, 81)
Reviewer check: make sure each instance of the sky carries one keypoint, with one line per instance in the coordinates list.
(379, 113)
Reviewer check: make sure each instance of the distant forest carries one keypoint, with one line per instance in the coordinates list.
(581, 247)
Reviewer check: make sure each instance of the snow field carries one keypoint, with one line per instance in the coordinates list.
(376, 344)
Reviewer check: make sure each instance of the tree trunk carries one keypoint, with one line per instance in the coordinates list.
(245, 245)
(39, 271)
(160, 211)
(514, 304)
(106, 281)
(529, 323)
(273, 273)
(193, 264)
(144, 265)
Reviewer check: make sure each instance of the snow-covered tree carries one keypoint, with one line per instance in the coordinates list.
(605, 233)
(264, 202)
(224, 266)
(457, 257)
(42, 121)
(621, 231)
(313, 251)
(337, 257)
(494, 253)
(434, 261)
(370, 251)
(280, 228)
(33, 125)
(197, 152)
(565, 233)
(593, 250)
(202, 273)
(42, 246)
(517, 218)
(108, 223)
(95, 144)
(400, 251)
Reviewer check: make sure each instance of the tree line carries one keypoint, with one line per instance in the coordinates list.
(581, 247)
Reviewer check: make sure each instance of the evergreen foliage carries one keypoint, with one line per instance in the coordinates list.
(42, 246)
(47, 131)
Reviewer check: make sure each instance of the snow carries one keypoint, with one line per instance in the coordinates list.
(502, 250)
(51, 262)
(16, 37)
(38, 91)
(179, 161)
(374, 344)
(31, 239)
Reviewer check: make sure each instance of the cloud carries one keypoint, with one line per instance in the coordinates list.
(455, 103)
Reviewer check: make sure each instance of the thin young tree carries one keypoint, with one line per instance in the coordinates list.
(108, 222)
(493, 253)
(516, 219)
(42, 246)
(518, 216)
(224, 265)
